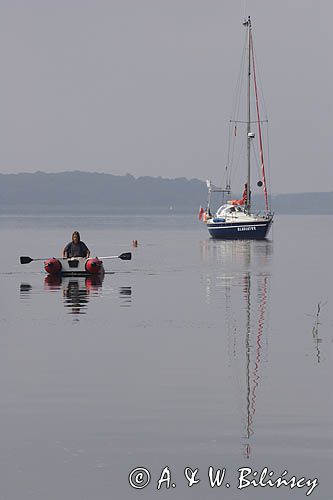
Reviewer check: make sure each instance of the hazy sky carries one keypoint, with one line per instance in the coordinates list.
(146, 86)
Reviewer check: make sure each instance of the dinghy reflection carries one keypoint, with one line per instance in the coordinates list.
(77, 291)
(25, 289)
(125, 293)
(237, 282)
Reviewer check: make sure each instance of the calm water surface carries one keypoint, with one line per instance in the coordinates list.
(196, 353)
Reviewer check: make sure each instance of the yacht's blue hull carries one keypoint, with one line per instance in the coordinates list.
(240, 230)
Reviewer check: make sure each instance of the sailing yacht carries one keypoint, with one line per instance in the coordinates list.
(236, 219)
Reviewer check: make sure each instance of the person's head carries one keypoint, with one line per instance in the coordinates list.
(76, 237)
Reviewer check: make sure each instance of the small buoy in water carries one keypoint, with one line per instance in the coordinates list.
(259, 184)
(135, 243)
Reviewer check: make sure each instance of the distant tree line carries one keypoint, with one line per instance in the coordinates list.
(106, 193)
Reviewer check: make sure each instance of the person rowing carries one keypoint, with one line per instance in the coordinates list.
(76, 248)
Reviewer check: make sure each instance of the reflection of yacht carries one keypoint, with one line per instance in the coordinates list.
(238, 279)
(76, 290)
(254, 339)
(239, 254)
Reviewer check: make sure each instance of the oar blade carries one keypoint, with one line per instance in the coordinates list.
(25, 260)
(125, 256)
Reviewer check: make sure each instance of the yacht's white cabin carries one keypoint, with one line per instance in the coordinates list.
(234, 213)
(230, 211)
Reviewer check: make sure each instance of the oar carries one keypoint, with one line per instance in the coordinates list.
(123, 256)
(27, 260)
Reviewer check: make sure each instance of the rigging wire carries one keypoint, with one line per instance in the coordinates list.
(259, 80)
(240, 157)
(268, 166)
(266, 120)
(236, 141)
(256, 157)
(234, 116)
(259, 125)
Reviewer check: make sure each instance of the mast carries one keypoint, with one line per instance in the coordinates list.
(247, 23)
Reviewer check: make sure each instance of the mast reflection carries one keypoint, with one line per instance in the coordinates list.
(238, 279)
(315, 332)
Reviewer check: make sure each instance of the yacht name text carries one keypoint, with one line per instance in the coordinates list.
(247, 228)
